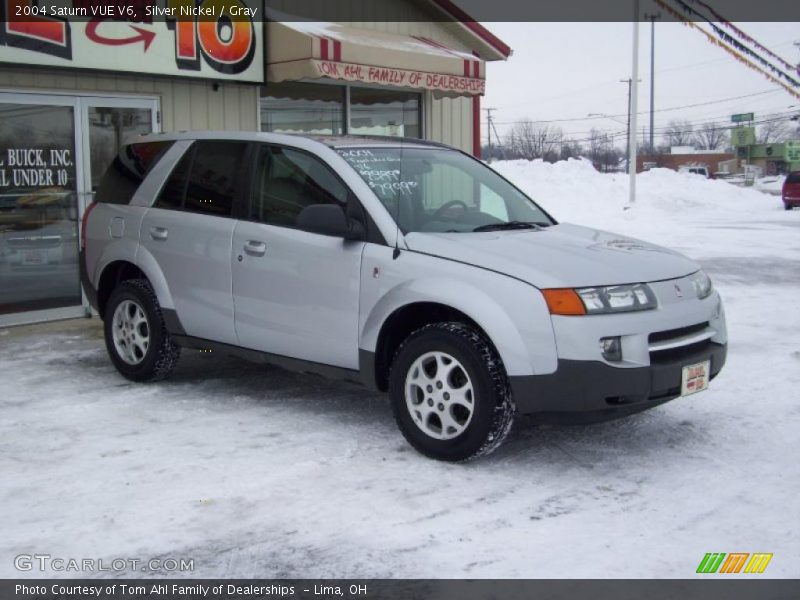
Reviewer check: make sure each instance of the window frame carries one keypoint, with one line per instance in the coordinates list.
(346, 107)
(353, 207)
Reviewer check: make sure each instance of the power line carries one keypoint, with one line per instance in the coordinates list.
(622, 133)
(671, 108)
(777, 117)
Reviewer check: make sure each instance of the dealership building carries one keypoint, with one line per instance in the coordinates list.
(72, 91)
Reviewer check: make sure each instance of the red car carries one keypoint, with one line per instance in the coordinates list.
(791, 190)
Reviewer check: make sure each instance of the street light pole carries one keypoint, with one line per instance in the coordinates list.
(634, 105)
(652, 19)
(628, 131)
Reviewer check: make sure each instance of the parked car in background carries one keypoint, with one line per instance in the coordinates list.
(695, 170)
(791, 191)
(406, 265)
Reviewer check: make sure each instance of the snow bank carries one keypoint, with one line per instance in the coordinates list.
(575, 185)
(671, 208)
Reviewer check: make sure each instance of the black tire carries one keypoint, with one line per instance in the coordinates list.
(492, 404)
(162, 353)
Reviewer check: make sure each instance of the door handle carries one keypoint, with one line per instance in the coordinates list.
(255, 248)
(159, 233)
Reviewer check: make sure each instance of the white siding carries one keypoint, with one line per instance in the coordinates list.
(185, 103)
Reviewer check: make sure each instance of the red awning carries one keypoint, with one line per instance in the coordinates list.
(305, 50)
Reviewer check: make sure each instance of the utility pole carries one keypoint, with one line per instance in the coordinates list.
(489, 128)
(634, 104)
(628, 132)
(652, 18)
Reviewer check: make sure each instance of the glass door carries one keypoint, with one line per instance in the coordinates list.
(54, 150)
(39, 183)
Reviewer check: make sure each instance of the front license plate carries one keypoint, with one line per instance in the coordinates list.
(694, 378)
(34, 257)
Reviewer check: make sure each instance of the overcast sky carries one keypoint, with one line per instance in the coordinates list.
(568, 70)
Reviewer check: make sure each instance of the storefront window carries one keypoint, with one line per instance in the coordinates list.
(302, 108)
(38, 208)
(384, 112)
(319, 109)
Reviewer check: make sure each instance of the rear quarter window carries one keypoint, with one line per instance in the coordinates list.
(793, 177)
(128, 170)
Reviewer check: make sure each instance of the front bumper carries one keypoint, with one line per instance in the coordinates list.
(587, 391)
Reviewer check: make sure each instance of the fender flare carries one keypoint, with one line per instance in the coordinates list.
(479, 306)
(131, 252)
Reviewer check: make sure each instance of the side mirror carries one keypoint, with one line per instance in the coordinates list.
(330, 219)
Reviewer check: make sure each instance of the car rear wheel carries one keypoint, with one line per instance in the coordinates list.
(450, 393)
(136, 337)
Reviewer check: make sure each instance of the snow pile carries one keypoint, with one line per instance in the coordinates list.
(671, 208)
(770, 185)
(572, 186)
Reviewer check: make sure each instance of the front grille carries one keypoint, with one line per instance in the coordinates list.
(662, 336)
(681, 353)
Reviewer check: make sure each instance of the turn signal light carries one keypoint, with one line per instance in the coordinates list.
(564, 302)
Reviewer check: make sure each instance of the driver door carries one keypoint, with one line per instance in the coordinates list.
(295, 293)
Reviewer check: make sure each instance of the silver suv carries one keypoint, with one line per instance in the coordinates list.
(404, 265)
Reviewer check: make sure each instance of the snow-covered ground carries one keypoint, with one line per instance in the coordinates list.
(252, 471)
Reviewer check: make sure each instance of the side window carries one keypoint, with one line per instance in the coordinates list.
(289, 180)
(131, 165)
(171, 196)
(214, 180)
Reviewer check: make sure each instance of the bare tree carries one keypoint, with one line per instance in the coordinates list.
(530, 140)
(711, 136)
(772, 132)
(602, 152)
(679, 133)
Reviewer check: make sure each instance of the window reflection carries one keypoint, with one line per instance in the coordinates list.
(302, 108)
(38, 208)
(384, 112)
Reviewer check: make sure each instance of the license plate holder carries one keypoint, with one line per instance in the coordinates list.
(694, 378)
(34, 257)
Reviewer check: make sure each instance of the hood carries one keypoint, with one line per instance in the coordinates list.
(562, 255)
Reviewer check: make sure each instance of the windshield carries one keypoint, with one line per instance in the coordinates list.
(438, 190)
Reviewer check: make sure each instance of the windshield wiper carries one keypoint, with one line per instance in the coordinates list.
(512, 225)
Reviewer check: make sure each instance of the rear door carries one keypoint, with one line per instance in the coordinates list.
(188, 233)
(295, 292)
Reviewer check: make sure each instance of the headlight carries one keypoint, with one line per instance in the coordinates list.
(600, 300)
(617, 298)
(702, 284)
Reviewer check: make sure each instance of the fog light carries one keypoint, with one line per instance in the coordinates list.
(611, 347)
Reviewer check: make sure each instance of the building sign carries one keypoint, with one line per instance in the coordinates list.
(742, 118)
(743, 136)
(792, 150)
(400, 77)
(210, 39)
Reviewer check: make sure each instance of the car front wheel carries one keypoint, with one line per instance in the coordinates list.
(450, 393)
